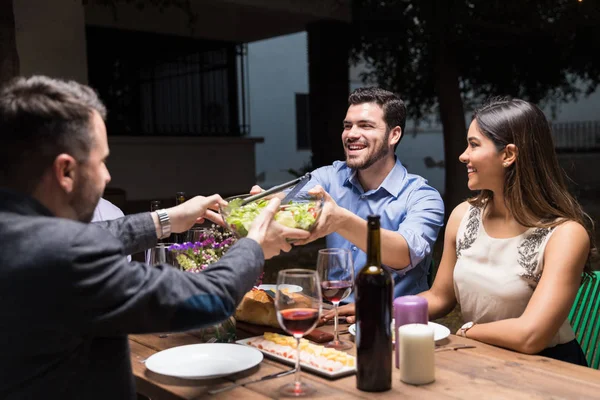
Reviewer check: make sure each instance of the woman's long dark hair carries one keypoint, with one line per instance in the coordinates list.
(535, 191)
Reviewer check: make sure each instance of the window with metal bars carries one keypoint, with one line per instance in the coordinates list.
(167, 85)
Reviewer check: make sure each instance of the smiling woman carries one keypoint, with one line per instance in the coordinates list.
(520, 245)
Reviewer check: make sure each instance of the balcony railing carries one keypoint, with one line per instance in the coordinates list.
(577, 136)
(158, 85)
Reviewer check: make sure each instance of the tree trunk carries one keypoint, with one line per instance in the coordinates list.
(439, 14)
(452, 115)
(9, 58)
(328, 77)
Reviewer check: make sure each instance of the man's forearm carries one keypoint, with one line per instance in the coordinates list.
(394, 248)
(137, 232)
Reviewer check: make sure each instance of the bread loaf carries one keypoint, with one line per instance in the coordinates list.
(258, 308)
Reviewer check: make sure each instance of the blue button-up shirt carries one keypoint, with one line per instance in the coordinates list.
(406, 204)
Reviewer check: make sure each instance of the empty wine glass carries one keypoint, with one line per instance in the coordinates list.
(160, 254)
(298, 313)
(336, 272)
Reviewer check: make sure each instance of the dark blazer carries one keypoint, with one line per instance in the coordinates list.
(69, 299)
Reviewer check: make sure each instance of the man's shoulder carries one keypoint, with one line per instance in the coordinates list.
(417, 190)
(340, 165)
(337, 166)
(332, 175)
(59, 233)
(417, 182)
(49, 242)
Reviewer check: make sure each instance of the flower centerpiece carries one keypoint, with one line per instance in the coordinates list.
(195, 257)
(212, 244)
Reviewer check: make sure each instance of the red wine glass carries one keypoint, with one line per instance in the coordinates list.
(336, 272)
(298, 305)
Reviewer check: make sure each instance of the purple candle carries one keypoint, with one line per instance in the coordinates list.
(408, 310)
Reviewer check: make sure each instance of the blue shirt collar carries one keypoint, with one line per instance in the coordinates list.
(393, 182)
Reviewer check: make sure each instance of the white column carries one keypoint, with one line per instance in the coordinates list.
(51, 38)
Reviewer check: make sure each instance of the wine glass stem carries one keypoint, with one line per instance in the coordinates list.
(297, 374)
(335, 323)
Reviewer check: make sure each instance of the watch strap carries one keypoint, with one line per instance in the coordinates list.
(466, 327)
(164, 222)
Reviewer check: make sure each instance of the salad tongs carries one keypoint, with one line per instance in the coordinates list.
(298, 183)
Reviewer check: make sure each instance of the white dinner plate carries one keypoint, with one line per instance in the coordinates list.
(439, 331)
(290, 288)
(204, 361)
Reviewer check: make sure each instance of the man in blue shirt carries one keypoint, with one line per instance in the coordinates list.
(373, 181)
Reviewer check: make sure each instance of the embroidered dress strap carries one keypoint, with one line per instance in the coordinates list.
(468, 229)
(531, 254)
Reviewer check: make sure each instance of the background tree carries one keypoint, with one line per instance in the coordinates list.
(443, 56)
(9, 59)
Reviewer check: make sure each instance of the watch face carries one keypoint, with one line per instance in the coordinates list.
(467, 325)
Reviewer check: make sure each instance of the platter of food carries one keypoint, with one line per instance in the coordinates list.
(314, 358)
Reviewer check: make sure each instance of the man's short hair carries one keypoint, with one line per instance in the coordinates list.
(394, 110)
(40, 118)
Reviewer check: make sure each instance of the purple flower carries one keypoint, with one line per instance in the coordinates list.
(208, 250)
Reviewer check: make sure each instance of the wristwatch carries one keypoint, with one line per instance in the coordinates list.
(165, 223)
(463, 329)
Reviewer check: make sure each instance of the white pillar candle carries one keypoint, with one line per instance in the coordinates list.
(417, 365)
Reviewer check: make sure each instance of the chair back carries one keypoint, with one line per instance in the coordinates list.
(585, 318)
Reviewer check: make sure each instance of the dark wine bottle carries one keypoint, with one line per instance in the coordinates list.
(155, 205)
(179, 237)
(374, 296)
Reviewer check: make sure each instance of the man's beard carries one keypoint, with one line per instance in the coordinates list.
(379, 154)
(84, 202)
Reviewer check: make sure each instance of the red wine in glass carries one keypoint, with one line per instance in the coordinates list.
(335, 291)
(298, 321)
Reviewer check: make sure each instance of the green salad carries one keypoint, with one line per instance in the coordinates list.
(294, 215)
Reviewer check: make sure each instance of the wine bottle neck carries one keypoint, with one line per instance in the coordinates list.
(374, 244)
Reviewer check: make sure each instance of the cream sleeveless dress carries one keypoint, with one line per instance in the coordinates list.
(495, 278)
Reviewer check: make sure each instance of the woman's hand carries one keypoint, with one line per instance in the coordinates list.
(347, 310)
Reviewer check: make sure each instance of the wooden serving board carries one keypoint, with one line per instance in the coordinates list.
(317, 335)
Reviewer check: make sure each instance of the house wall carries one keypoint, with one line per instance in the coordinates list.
(277, 70)
(51, 41)
(50, 38)
(157, 167)
(230, 20)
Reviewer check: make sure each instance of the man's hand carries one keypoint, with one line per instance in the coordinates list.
(270, 235)
(193, 211)
(347, 309)
(331, 216)
(256, 189)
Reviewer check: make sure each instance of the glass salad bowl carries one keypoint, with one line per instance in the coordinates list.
(301, 212)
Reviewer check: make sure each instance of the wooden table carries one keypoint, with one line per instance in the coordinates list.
(485, 372)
